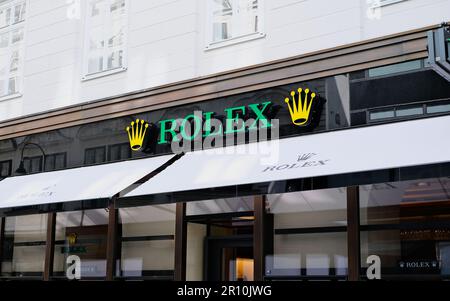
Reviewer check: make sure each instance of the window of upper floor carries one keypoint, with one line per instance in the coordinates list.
(379, 3)
(233, 21)
(12, 31)
(102, 154)
(95, 155)
(5, 168)
(105, 38)
(53, 162)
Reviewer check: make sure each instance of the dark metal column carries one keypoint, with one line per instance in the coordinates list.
(353, 234)
(112, 241)
(2, 239)
(262, 237)
(50, 246)
(180, 242)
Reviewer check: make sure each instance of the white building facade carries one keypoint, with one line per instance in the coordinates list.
(62, 53)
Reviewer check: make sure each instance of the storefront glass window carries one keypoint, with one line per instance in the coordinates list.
(310, 238)
(148, 242)
(24, 246)
(396, 68)
(242, 204)
(409, 111)
(441, 108)
(84, 234)
(407, 225)
(219, 239)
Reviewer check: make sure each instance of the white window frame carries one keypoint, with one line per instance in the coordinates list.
(210, 44)
(9, 29)
(85, 76)
(380, 3)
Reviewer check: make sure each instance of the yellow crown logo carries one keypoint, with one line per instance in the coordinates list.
(136, 134)
(72, 238)
(301, 108)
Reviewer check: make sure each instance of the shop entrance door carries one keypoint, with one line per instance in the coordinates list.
(229, 258)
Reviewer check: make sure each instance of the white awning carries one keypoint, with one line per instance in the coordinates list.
(378, 147)
(77, 184)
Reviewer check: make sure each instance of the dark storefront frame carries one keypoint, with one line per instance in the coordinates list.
(261, 221)
(378, 52)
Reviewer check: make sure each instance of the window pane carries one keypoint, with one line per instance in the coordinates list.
(409, 112)
(148, 243)
(222, 20)
(397, 68)
(4, 40)
(95, 64)
(407, 224)
(125, 151)
(306, 239)
(234, 18)
(5, 169)
(119, 152)
(381, 115)
(97, 8)
(4, 62)
(247, 17)
(50, 162)
(19, 12)
(217, 218)
(241, 204)
(14, 62)
(33, 165)
(438, 108)
(100, 155)
(89, 156)
(24, 245)
(115, 60)
(27, 164)
(2, 88)
(106, 36)
(82, 233)
(17, 36)
(303, 209)
(114, 153)
(60, 161)
(36, 164)
(316, 254)
(117, 7)
(5, 17)
(116, 37)
(13, 85)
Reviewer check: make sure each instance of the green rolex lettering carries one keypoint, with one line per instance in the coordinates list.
(233, 119)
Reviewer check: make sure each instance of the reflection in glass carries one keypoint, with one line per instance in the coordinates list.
(215, 234)
(148, 241)
(241, 204)
(5, 169)
(24, 246)
(407, 224)
(438, 108)
(237, 264)
(106, 28)
(310, 237)
(395, 68)
(410, 111)
(382, 114)
(196, 234)
(84, 234)
(5, 16)
(233, 18)
(4, 40)
(19, 12)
